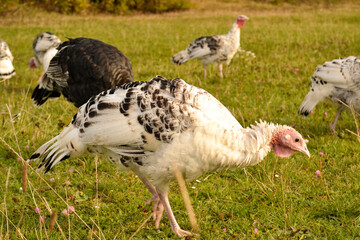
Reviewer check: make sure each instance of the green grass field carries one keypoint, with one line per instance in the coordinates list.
(282, 198)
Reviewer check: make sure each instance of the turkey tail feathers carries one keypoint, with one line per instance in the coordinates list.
(181, 57)
(318, 92)
(61, 147)
(41, 95)
(308, 104)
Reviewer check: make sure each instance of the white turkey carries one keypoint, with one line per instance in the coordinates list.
(6, 58)
(211, 49)
(148, 127)
(81, 68)
(339, 81)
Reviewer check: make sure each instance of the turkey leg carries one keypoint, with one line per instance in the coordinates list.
(158, 207)
(221, 70)
(333, 125)
(173, 223)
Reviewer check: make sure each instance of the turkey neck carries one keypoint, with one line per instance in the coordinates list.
(236, 148)
(48, 56)
(234, 31)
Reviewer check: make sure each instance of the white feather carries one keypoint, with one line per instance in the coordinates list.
(343, 73)
(316, 94)
(181, 57)
(6, 67)
(50, 53)
(337, 80)
(44, 48)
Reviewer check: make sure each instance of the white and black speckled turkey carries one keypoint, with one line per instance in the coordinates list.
(337, 80)
(213, 49)
(148, 127)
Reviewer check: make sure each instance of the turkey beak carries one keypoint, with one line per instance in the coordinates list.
(244, 18)
(305, 151)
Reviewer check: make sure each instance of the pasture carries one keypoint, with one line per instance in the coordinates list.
(282, 199)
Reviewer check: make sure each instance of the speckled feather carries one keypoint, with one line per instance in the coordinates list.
(6, 67)
(210, 49)
(335, 80)
(84, 67)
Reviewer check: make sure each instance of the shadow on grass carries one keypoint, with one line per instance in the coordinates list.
(336, 212)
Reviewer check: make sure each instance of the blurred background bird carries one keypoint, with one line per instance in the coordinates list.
(6, 58)
(213, 49)
(337, 80)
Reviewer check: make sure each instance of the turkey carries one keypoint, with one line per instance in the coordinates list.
(80, 69)
(44, 48)
(339, 81)
(6, 67)
(149, 127)
(218, 48)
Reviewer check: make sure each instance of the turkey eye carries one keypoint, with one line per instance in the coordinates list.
(296, 139)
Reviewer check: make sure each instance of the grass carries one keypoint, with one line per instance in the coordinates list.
(281, 198)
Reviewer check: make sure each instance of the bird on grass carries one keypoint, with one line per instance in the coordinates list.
(337, 80)
(150, 127)
(79, 69)
(6, 58)
(211, 49)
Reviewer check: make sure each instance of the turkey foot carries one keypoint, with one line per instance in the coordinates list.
(158, 209)
(182, 233)
(173, 223)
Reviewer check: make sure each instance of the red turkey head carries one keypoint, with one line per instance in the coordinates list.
(241, 20)
(287, 141)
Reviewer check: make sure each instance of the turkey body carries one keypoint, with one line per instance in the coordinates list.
(213, 49)
(82, 68)
(337, 80)
(150, 127)
(6, 58)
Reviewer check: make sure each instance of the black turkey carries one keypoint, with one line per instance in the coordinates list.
(82, 68)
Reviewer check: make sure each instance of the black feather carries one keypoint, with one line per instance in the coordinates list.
(87, 67)
(40, 95)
